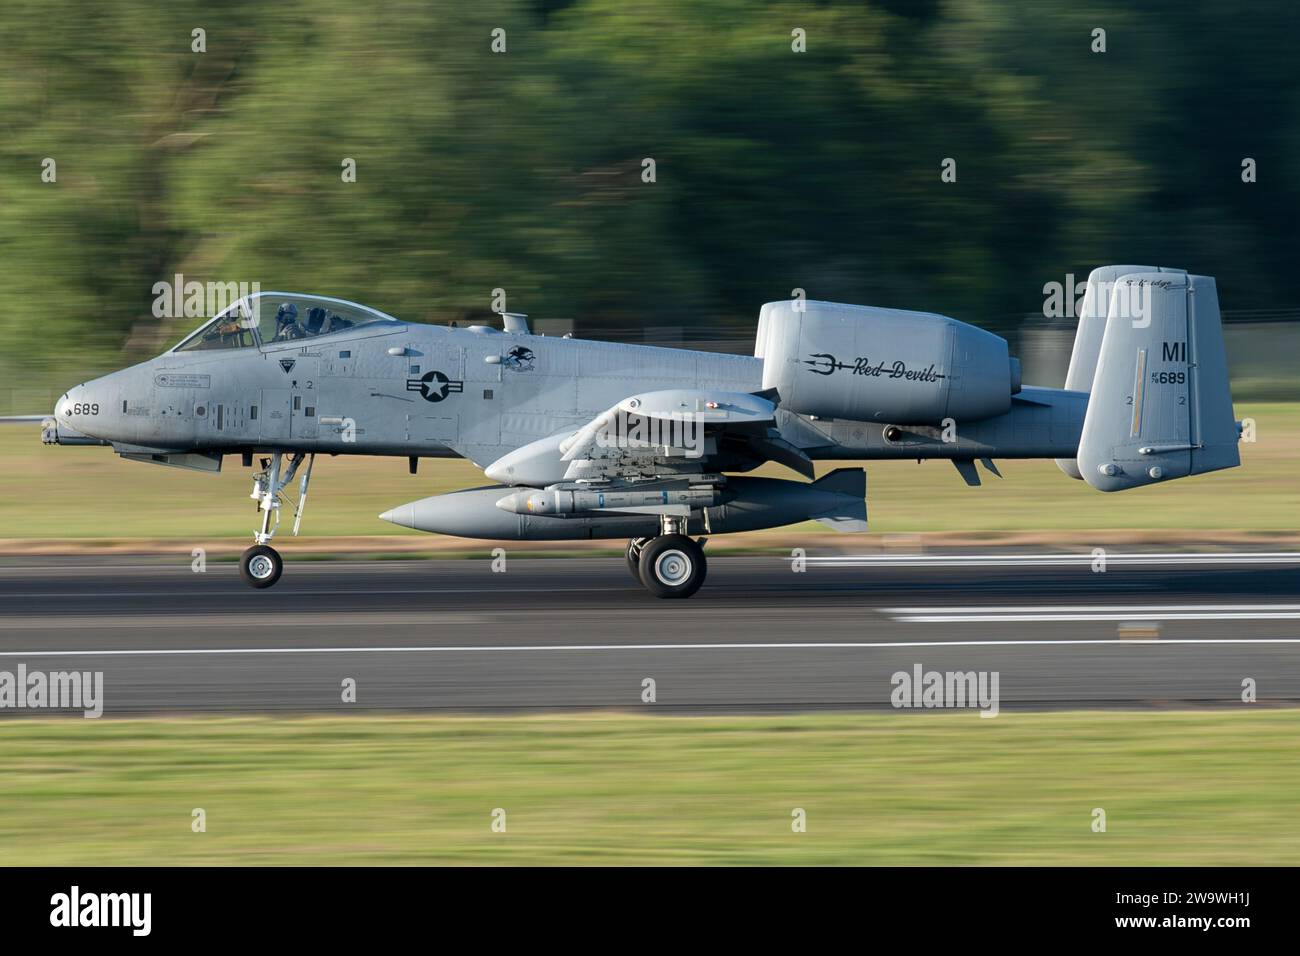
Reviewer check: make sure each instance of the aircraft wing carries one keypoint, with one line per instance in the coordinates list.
(680, 430)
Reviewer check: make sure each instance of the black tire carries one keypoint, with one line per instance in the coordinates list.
(633, 556)
(260, 566)
(672, 566)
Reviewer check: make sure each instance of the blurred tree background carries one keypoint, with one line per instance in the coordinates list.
(523, 170)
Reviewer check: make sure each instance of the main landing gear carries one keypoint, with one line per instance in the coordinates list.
(671, 565)
(261, 564)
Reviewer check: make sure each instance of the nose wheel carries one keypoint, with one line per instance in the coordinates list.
(261, 566)
(671, 566)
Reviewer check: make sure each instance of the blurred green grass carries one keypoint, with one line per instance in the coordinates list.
(1200, 788)
(74, 492)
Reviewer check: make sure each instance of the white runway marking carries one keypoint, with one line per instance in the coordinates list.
(760, 646)
(1095, 612)
(308, 592)
(1099, 608)
(1084, 618)
(1051, 560)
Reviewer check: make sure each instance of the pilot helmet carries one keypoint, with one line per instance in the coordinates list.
(286, 313)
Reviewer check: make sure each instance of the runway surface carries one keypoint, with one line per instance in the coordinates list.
(579, 633)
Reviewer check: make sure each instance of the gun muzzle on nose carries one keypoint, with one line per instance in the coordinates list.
(52, 433)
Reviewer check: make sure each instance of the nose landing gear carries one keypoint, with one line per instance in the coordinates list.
(261, 565)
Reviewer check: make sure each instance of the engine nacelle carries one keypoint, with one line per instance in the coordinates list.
(883, 365)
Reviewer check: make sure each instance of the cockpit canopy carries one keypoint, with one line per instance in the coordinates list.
(264, 318)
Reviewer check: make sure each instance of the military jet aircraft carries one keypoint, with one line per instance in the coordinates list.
(587, 439)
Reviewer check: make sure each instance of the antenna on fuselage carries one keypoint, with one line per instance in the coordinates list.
(514, 322)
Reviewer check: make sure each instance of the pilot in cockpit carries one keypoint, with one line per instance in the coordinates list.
(286, 323)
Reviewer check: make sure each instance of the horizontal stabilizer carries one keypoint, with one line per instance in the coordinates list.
(1022, 398)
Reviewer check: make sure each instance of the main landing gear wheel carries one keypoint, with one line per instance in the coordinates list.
(260, 566)
(672, 566)
(633, 554)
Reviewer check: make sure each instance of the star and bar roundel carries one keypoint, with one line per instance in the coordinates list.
(434, 386)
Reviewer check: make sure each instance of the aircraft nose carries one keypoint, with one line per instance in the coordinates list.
(76, 406)
(92, 408)
(73, 412)
(403, 515)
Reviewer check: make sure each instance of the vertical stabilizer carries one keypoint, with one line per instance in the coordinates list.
(1087, 337)
(1160, 406)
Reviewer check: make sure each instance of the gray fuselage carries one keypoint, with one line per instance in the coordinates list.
(395, 388)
